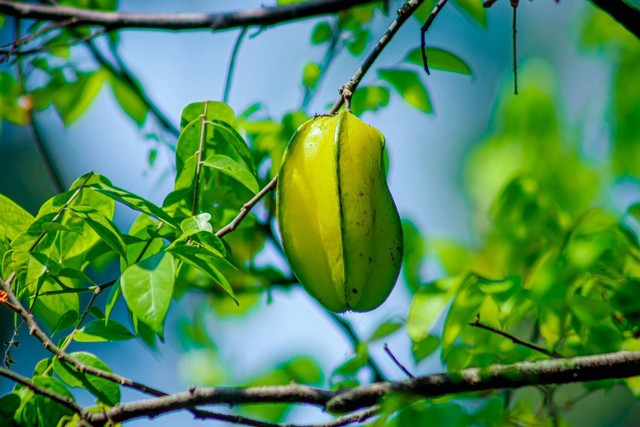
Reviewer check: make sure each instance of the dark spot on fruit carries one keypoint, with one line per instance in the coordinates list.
(361, 254)
(370, 260)
(355, 291)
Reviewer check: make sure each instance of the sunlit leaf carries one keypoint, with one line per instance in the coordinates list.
(233, 169)
(409, 86)
(104, 390)
(369, 98)
(321, 33)
(102, 330)
(148, 288)
(439, 59)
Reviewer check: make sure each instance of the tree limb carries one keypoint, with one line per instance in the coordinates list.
(63, 400)
(179, 21)
(627, 15)
(622, 364)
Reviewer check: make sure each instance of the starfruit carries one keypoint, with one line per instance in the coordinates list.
(340, 228)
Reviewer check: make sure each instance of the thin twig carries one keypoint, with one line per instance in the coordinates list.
(232, 64)
(476, 323)
(423, 32)
(41, 49)
(349, 88)
(397, 362)
(246, 208)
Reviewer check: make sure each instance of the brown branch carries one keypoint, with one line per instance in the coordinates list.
(247, 208)
(180, 21)
(347, 89)
(622, 364)
(513, 339)
(293, 393)
(627, 15)
(65, 401)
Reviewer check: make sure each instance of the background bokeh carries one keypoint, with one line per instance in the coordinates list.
(427, 175)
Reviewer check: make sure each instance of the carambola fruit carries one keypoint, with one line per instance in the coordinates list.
(340, 228)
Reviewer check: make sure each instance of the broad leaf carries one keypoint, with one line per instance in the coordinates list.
(409, 86)
(369, 98)
(105, 391)
(102, 330)
(148, 288)
(235, 170)
(13, 219)
(439, 59)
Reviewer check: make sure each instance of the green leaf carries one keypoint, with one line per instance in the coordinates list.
(321, 33)
(439, 59)
(421, 413)
(105, 391)
(102, 330)
(202, 259)
(13, 219)
(385, 329)
(424, 10)
(148, 288)
(310, 74)
(369, 98)
(10, 109)
(9, 404)
(73, 99)
(129, 100)
(103, 227)
(358, 41)
(46, 411)
(233, 169)
(58, 311)
(409, 86)
(112, 298)
(353, 365)
(634, 210)
(197, 223)
(426, 308)
(474, 9)
(133, 201)
(424, 348)
(215, 110)
(415, 250)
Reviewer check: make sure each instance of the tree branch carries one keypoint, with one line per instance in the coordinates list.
(65, 401)
(627, 15)
(179, 21)
(347, 89)
(622, 364)
(557, 371)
